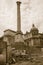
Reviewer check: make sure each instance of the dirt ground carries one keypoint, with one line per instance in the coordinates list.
(35, 62)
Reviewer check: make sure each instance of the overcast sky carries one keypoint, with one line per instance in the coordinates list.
(31, 12)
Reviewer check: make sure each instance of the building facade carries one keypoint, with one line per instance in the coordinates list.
(30, 43)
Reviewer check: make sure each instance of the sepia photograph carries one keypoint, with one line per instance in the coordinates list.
(21, 32)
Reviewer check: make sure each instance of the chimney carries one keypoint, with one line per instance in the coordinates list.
(18, 17)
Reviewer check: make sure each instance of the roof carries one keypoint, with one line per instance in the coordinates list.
(10, 30)
(33, 28)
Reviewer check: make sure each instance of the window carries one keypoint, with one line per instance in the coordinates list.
(1, 50)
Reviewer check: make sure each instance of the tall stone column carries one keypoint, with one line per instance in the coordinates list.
(18, 16)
